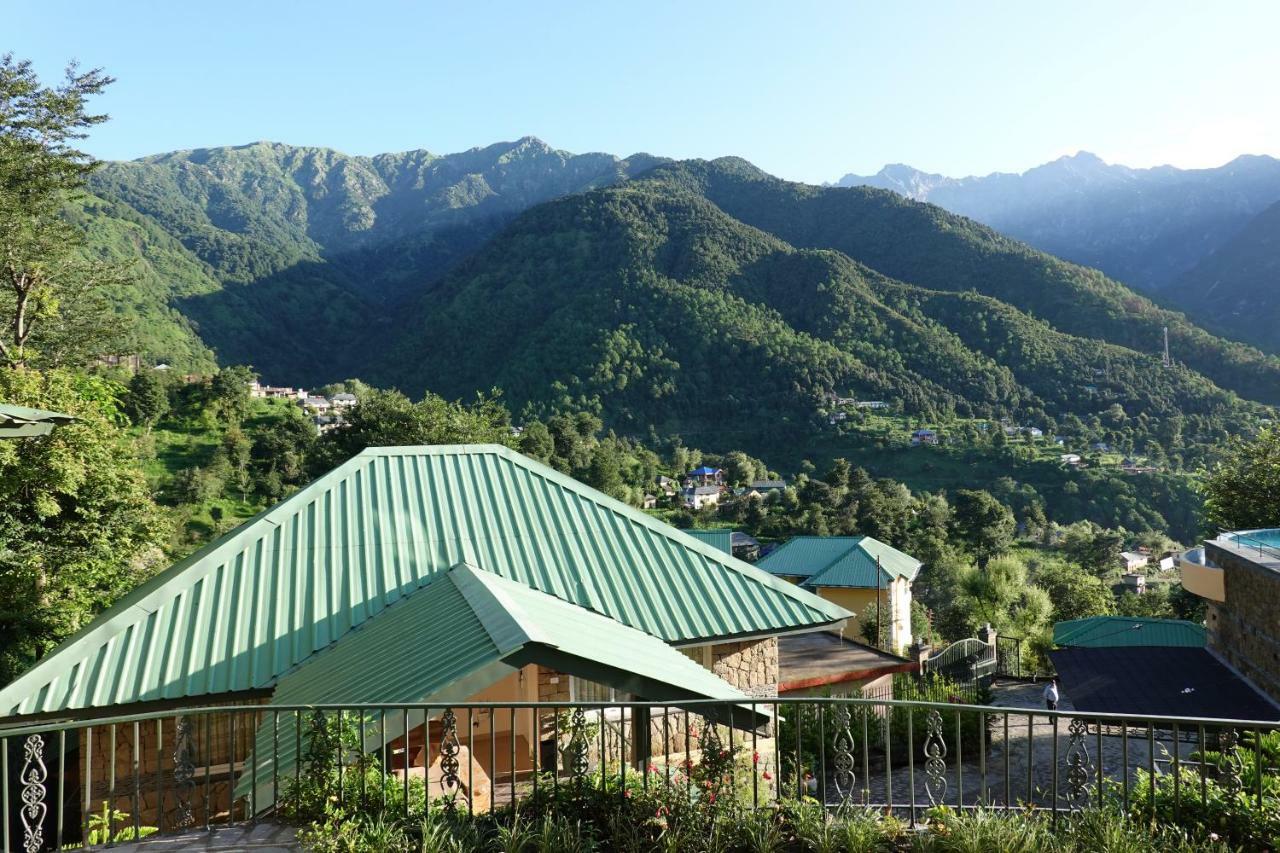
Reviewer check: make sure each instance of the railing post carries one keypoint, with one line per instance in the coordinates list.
(935, 765)
(34, 808)
(184, 771)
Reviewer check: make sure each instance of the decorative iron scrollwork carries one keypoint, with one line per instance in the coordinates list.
(576, 750)
(935, 753)
(1230, 765)
(449, 749)
(1079, 766)
(34, 808)
(843, 761)
(184, 770)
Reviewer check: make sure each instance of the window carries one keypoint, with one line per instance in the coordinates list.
(582, 690)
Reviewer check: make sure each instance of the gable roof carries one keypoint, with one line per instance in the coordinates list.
(840, 561)
(253, 604)
(1115, 631)
(721, 540)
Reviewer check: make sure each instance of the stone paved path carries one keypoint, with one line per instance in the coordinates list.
(263, 838)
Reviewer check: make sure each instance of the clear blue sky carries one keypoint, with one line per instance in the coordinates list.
(808, 91)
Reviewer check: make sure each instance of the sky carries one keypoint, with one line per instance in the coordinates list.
(806, 90)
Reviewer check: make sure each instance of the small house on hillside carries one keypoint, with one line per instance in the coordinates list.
(854, 572)
(696, 497)
(924, 436)
(706, 475)
(764, 487)
(1132, 561)
(344, 401)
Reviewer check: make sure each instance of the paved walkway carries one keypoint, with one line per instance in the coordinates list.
(262, 838)
(976, 778)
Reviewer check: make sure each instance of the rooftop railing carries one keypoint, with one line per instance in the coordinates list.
(105, 780)
(1247, 541)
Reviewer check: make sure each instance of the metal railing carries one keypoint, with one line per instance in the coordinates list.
(1244, 541)
(82, 781)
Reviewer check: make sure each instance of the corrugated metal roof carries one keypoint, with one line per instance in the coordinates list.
(260, 600)
(25, 422)
(1126, 631)
(840, 561)
(463, 631)
(721, 540)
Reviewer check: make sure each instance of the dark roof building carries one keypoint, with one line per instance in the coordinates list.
(1158, 681)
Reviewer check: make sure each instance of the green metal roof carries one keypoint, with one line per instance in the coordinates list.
(25, 422)
(1124, 631)
(463, 631)
(721, 540)
(252, 605)
(840, 561)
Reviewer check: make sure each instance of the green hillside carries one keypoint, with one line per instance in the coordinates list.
(652, 305)
(924, 245)
(298, 255)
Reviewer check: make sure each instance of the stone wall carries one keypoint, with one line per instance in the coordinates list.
(750, 665)
(1245, 629)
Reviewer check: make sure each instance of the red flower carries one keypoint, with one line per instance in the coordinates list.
(711, 798)
(755, 758)
(626, 794)
(767, 775)
(653, 768)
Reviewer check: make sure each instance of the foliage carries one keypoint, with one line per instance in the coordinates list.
(985, 525)
(50, 292)
(1243, 489)
(102, 823)
(78, 528)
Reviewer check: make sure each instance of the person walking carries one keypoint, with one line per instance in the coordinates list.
(1051, 694)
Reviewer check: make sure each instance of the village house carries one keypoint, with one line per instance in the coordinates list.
(1132, 561)
(696, 497)
(483, 576)
(316, 404)
(924, 436)
(344, 401)
(1134, 582)
(853, 572)
(706, 475)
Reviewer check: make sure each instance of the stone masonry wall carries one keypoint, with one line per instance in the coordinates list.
(751, 665)
(1245, 629)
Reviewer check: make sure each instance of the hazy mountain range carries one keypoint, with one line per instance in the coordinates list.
(1155, 229)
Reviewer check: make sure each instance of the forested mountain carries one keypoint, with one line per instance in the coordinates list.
(711, 296)
(291, 257)
(1144, 227)
(924, 245)
(1237, 288)
(700, 298)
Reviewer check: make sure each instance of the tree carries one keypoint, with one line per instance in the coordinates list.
(1094, 548)
(50, 292)
(389, 418)
(982, 523)
(1074, 592)
(148, 399)
(1001, 595)
(77, 525)
(1242, 490)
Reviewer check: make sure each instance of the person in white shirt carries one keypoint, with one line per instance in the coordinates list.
(1051, 694)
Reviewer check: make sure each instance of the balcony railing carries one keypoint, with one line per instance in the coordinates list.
(88, 781)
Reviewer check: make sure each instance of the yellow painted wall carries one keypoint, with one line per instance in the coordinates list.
(854, 600)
